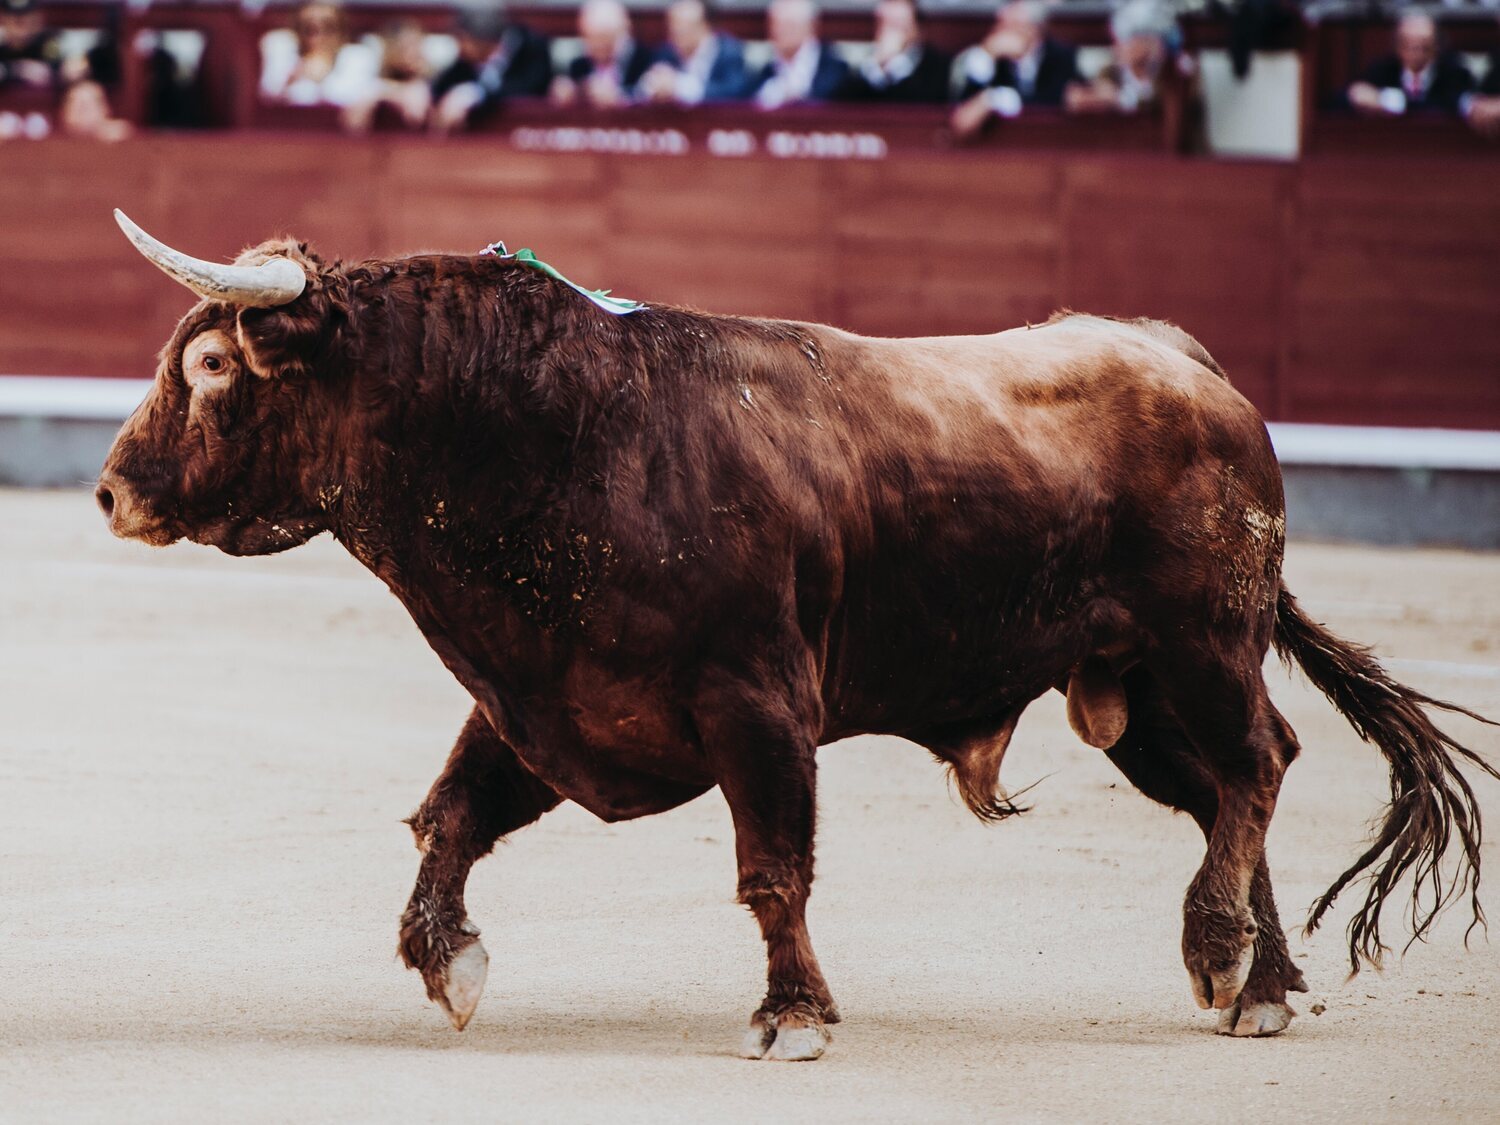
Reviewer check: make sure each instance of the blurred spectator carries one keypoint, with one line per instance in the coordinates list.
(802, 68)
(1017, 65)
(319, 65)
(497, 59)
(1418, 78)
(29, 52)
(101, 62)
(1145, 38)
(85, 114)
(1482, 110)
(699, 63)
(173, 98)
(612, 64)
(901, 67)
(402, 84)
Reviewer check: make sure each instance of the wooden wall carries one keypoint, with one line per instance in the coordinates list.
(1338, 289)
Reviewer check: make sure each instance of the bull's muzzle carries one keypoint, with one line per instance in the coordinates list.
(129, 517)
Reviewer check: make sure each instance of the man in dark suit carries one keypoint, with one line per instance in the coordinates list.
(612, 64)
(901, 67)
(699, 64)
(1020, 55)
(802, 68)
(1418, 78)
(1017, 65)
(496, 60)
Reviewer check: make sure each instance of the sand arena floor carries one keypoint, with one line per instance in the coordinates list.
(203, 766)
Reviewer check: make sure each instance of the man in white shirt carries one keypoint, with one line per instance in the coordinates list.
(1017, 65)
(317, 64)
(802, 69)
(902, 66)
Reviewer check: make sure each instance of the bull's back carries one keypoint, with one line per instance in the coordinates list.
(1076, 406)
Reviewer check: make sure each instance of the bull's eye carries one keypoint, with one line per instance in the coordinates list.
(208, 362)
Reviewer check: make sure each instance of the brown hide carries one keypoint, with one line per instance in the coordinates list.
(669, 551)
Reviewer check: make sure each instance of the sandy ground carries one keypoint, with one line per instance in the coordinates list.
(203, 766)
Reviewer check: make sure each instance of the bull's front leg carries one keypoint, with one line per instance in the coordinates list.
(762, 753)
(483, 793)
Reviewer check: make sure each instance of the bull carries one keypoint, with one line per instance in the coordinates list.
(668, 551)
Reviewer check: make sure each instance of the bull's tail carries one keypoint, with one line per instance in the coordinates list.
(1431, 800)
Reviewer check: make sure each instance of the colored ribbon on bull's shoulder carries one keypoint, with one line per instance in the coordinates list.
(616, 306)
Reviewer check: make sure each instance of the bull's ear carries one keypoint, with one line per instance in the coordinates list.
(297, 339)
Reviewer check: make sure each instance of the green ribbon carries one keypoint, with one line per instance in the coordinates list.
(617, 306)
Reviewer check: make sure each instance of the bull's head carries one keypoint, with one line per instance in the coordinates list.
(227, 448)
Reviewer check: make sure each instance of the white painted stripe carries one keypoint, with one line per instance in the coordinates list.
(44, 396)
(1385, 447)
(1452, 668)
(1322, 609)
(1345, 607)
(1296, 443)
(227, 579)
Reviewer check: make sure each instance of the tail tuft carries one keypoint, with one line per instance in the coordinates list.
(1432, 804)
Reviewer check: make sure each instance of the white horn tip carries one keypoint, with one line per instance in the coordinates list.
(132, 230)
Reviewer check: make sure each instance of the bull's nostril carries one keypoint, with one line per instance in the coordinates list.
(106, 500)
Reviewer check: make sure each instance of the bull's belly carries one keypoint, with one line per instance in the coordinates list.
(899, 679)
(614, 746)
(620, 751)
(625, 753)
(616, 779)
(623, 745)
(937, 693)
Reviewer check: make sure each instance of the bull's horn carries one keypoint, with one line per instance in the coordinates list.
(276, 281)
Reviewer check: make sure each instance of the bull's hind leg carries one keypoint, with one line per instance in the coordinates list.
(1156, 757)
(1244, 747)
(483, 793)
(761, 744)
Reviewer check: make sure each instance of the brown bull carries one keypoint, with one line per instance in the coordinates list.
(667, 551)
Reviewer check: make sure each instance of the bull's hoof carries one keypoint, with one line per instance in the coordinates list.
(758, 1039)
(790, 1038)
(799, 1044)
(463, 984)
(1255, 1021)
(1220, 989)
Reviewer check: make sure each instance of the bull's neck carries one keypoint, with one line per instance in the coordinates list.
(493, 386)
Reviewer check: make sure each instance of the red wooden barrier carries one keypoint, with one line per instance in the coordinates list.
(1337, 289)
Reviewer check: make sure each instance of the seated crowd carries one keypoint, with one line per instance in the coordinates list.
(1016, 65)
(445, 82)
(448, 81)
